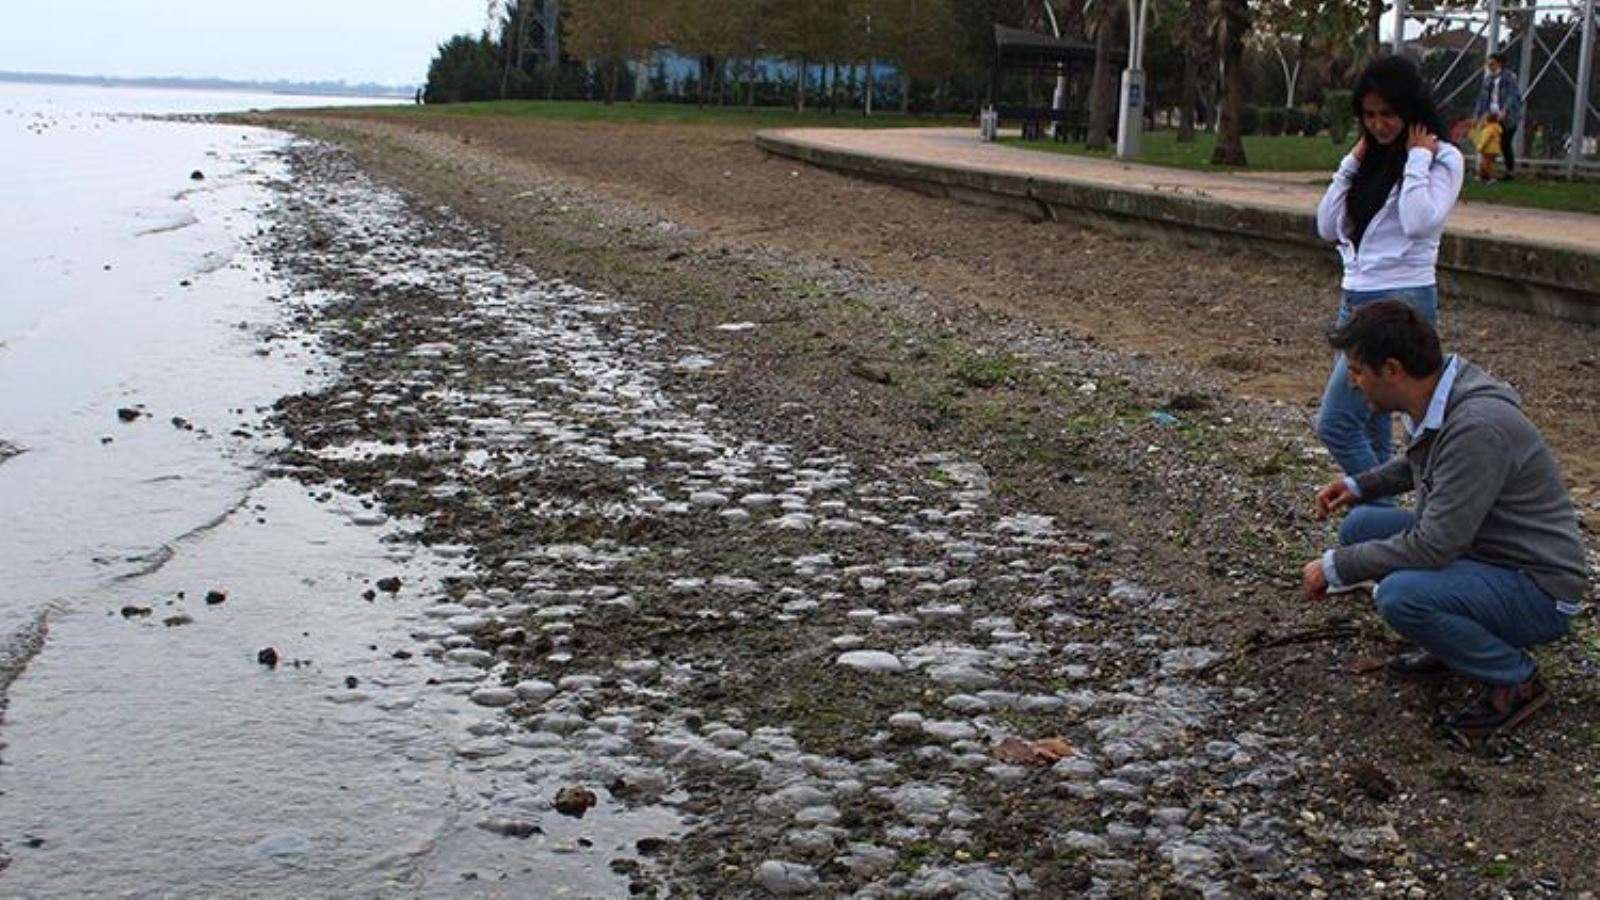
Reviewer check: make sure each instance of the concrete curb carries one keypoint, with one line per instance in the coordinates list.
(1559, 282)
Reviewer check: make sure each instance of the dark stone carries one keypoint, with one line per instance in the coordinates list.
(574, 801)
(650, 846)
(369, 595)
(351, 682)
(268, 657)
(516, 828)
(33, 841)
(214, 597)
(389, 585)
(127, 414)
(197, 175)
(129, 612)
(175, 621)
(401, 654)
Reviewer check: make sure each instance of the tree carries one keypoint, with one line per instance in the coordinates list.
(516, 27)
(612, 33)
(464, 69)
(711, 31)
(919, 37)
(817, 31)
(1231, 24)
(1197, 55)
(1101, 18)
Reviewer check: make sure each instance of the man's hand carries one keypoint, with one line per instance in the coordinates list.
(1359, 151)
(1420, 136)
(1334, 497)
(1314, 581)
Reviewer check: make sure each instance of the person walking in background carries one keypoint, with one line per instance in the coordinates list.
(1488, 138)
(1386, 210)
(1501, 95)
(1492, 561)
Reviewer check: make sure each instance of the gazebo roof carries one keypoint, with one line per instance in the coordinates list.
(1018, 48)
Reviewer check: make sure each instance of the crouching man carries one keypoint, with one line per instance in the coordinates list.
(1491, 562)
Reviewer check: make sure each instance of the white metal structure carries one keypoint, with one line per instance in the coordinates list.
(1130, 108)
(1489, 19)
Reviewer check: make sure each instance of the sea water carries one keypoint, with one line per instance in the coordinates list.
(123, 287)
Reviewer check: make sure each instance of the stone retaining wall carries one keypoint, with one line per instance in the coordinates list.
(1559, 282)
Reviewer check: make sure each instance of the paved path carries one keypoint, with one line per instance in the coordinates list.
(961, 149)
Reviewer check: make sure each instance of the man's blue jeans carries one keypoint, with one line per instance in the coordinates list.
(1359, 438)
(1474, 617)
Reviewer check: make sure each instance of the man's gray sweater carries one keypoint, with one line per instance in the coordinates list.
(1487, 488)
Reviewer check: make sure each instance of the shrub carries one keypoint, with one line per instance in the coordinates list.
(1272, 121)
(1249, 119)
(1336, 106)
(464, 69)
(1294, 120)
(1315, 121)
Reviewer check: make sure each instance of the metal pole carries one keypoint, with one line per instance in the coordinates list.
(1580, 103)
(1399, 41)
(1494, 27)
(1530, 35)
(1130, 114)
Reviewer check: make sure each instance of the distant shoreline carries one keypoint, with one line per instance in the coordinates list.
(304, 88)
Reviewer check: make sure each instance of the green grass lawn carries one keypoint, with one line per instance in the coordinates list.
(1572, 196)
(1320, 155)
(678, 114)
(1266, 154)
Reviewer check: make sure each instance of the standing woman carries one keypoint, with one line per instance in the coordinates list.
(1386, 210)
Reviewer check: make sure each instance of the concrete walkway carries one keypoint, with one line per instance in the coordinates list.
(1295, 191)
(1548, 261)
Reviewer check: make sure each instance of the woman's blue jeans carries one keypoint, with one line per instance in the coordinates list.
(1358, 438)
(1474, 617)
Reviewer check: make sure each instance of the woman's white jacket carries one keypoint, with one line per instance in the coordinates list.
(1401, 245)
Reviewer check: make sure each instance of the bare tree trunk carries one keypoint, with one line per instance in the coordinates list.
(800, 86)
(871, 86)
(1100, 86)
(613, 69)
(905, 93)
(1195, 52)
(1230, 144)
(1374, 23)
(1187, 95)
(552, 46)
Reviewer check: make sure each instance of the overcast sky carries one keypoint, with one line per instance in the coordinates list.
(385, 41)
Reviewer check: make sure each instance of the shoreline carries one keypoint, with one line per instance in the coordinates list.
(819, 353)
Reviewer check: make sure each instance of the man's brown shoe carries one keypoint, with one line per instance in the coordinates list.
(1419, 667)
(1501, 708)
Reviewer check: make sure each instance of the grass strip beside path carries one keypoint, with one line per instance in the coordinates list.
(1320, 156)
(676, 113)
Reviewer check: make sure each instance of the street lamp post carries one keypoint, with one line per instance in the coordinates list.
(1130, 114)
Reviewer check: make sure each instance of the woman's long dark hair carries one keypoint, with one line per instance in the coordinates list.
(1399, 82)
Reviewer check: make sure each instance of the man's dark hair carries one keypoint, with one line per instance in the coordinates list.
(1499, 57)
(1390, 329)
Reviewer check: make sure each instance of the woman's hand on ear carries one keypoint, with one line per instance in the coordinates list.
(1420, 136)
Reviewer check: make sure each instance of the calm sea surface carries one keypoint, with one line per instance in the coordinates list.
(152, 755)
(123, 286)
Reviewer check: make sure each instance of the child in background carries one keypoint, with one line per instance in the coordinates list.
(1488, 141)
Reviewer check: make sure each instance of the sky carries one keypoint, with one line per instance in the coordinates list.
(381, 41)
